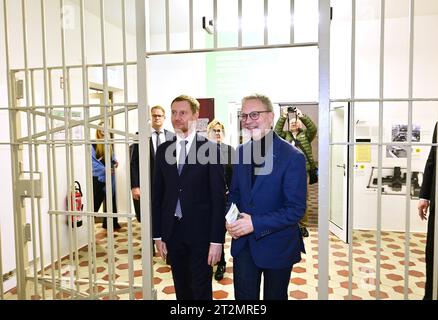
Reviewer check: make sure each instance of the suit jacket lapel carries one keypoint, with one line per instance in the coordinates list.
(191, 154)
(168, 135)
(266, 169)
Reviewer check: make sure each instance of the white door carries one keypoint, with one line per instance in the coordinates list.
(339, 171)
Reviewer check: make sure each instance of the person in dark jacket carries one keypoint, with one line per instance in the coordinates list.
(188, 204)
(216, 133)
(427, 201)
(158, 136)
(302, 131)
(269, 190)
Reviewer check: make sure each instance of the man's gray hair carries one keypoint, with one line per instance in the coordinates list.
(262, 98)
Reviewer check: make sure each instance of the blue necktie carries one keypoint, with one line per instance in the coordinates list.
(182, 158)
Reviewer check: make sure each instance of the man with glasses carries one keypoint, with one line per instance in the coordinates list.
(269, 189)
(159, 135)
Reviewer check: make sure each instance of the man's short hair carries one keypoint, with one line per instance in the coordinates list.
(262, 98)
(158, 107)
(194, 104)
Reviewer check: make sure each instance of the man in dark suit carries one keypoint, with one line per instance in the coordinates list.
(216, 133)
(188, 203)
(159, 135)
(427, 199)
(269, 188)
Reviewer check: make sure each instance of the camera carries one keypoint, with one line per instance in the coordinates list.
(291, 109)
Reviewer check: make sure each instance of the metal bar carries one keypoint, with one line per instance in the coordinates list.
(9, 103)
(215, 49)
(90, 213)
(75, 123)
(29, 128)
(48, 155)
(77, 66)
(292, 21)
(380, 151)
(191, 23)
(91, 248)
(144, 133)
(265, 19)
(68, 152)
(55, 184)
(61, 106)
(239, 34)
(409, 149)
(73, 193)
(127, 154)
(324, 140)
(350, 212)
(215, 34)
(167, 27)
(38, 200)
(388, 100)
(108, 156)
(401, 144)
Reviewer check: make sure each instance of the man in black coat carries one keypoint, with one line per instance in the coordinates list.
(427, 199)
(188, 204)
(159, 135)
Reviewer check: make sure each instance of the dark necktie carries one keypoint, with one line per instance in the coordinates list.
(182, 158)
(157, 140)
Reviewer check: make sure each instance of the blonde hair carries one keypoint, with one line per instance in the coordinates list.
(213, 124)
(194, 104)
(100, 148)
(159, 108)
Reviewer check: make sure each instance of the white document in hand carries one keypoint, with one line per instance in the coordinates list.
(232, 214)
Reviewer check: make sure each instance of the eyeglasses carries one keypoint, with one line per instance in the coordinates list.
(217, 130)
(253, 115)
(157, 116)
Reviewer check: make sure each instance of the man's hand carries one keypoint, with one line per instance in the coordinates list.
(162, 248)
(214, 253)
(135, 193)
(423, 206)
(299, 113)
(240, 227)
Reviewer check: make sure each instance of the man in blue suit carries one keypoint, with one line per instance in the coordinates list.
(269, 188)
(188, 203)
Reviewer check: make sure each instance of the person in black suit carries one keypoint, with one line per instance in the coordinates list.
(216, 133)
(427, 200)
(188, 204)
(159, 135)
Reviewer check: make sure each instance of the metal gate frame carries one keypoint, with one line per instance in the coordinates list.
(32, 111)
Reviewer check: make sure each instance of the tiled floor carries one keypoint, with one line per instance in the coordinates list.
(304, 281)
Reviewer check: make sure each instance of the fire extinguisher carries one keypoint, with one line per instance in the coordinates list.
(76, 204)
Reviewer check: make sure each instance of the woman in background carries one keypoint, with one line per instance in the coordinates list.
(99, 177)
